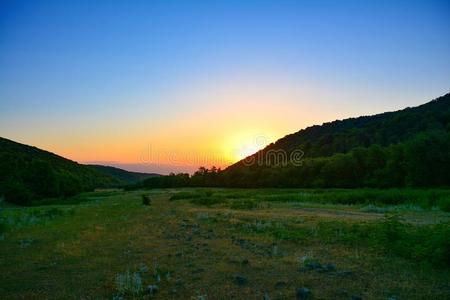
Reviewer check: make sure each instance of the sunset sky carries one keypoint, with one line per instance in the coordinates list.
(170, 85)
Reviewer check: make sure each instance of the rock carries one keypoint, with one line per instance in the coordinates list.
(240, 280)
(152, 289)
(266, 296)
(303, 293)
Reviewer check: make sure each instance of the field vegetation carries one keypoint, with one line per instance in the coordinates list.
(218, 243)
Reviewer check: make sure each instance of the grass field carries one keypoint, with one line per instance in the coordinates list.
(229, 243)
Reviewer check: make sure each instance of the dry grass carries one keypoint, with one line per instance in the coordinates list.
(191, 251)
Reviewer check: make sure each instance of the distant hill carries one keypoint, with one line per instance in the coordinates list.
(28, 174)
(409, 147)
(123, 175)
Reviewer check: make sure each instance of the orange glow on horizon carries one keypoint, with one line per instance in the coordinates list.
(204, 125)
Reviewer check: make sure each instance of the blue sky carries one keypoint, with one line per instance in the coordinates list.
(82, 78)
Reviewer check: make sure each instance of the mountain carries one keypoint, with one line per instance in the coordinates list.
(382, 129)
(409, 147)
(28, 174)
(405, 148)
(123, 175)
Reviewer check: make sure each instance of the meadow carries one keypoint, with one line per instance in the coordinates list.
(217, 243)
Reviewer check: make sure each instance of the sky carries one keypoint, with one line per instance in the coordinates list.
(167, 86)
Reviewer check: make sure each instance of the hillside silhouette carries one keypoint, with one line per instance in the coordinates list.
(29, 174)
(405, 148)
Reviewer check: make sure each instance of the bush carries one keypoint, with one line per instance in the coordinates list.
(2, 227)
(444, 204)
(17, 193)
(145, 199)
(209, 193)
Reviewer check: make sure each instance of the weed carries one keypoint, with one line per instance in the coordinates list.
(415, 197)
(426, 243)
(25, 243)
(184, 196)
(208, 201)
(243, 204)
(19, 218)
(208, 193)
(129, 283)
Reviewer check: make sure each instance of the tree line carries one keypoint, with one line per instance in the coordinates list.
(423, 161)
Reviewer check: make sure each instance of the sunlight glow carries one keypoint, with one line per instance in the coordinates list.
(242, 145)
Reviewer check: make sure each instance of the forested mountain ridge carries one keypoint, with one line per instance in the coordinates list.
(125, 176)
(29, 174)
(405, 148)
(410, 147)
(383, 129)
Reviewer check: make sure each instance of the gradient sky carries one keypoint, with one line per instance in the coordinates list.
(170, 85)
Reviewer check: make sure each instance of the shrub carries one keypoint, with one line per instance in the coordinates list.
(2, 227)
(145, 199)
(17, 193)
(209, 193)
(444, 204)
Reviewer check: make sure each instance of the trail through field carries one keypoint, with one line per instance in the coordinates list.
(117, 247)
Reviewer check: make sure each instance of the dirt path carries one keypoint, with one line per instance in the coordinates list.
(417, 218)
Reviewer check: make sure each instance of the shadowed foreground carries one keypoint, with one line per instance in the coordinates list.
(189, 246)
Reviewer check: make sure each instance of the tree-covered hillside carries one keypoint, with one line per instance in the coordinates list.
(125, 176)
(29, 174)
(410, 147)
(382, 129)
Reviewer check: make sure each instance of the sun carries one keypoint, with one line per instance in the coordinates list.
(241, 146)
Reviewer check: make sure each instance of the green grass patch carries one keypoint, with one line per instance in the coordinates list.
(243, 204)
(425, 199)
(18, 218)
